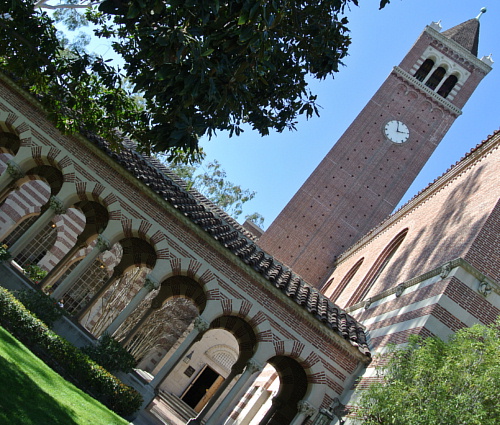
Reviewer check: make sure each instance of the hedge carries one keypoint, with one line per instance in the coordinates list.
(66, 358)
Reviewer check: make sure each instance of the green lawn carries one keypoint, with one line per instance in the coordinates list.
(33, 394)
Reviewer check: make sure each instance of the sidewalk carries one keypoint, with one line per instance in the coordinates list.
(147, 418)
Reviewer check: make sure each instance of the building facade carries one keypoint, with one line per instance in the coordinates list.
(283, 325)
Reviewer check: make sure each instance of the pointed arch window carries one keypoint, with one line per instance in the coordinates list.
(377, 268)
(447, 86)
(435, 78)
(345, 281)
(424, 70)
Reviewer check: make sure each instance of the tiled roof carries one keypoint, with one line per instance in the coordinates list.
(233, 237)
(466, 34)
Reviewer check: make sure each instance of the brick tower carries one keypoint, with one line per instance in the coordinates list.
(369, 169)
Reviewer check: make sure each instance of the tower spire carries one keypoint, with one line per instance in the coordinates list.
(483, 10)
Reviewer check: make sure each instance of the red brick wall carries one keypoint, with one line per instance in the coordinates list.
(363, 177)
(460, 219)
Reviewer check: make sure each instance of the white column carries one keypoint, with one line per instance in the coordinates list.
(56, 207)
(217, 418)
(200, 326)
(101, 245)
(275, 405)
(62, 265)
(149, 285)
(304, 411)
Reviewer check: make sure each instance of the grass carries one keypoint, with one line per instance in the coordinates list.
(33, 394)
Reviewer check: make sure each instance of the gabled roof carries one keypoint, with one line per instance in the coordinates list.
(232, 236)
(466, 34)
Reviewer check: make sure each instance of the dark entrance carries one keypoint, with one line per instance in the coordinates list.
(199, 387)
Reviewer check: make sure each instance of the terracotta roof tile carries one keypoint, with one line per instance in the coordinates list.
(236, 239)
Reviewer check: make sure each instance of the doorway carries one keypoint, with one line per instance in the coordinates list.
(205, 384)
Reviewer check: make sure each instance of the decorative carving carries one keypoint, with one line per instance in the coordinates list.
(368, 303)
(151, 284)
(102, 243)
(253, 366)
(57, 205)
(445, 271)
(14, 170)
(484, 288)
(399, 290)
(306, 408)
(200, 324)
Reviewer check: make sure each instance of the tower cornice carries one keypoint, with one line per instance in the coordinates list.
(458, 49)
(431, 93)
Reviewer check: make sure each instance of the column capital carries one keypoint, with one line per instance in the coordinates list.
(306, 408)
(57, 205)
(151, 283)
(253, 366)
(14, 170)
(102, 243)
(200, 324)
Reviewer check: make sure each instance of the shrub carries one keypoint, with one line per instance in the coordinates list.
(4, 253)
(41, 305)
(59, 353)
(111, 355)
(35, 273)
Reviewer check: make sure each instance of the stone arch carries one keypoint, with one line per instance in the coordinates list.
(169, 266)
(243, 332)
(293, 388)
(11, 123)
(9, 143)
(49, 174)
(136, 252)
(222, 354)
(180, 287)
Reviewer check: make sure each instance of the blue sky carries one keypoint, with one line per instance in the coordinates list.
(275, 166)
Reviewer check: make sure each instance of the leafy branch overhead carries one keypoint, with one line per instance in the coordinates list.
(200, 66)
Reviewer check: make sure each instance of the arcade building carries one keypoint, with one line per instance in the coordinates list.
(277, 327)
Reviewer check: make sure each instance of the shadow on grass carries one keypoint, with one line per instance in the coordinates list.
(22, 401)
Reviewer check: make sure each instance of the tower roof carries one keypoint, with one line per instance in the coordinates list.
(466, 34)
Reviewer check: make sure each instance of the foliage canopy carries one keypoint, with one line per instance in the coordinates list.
(431, 382)
(211, 181)
(199, 66)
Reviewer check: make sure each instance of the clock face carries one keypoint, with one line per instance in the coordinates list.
(397, 131)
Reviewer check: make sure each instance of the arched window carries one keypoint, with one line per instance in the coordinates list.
(346, 280)
(435, 78)
(377, 268)
(327, 285)
(424, 70)
(447, 86)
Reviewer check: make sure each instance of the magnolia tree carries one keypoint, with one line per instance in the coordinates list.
(199, 66)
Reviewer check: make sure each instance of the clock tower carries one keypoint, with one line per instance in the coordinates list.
(369, 169)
